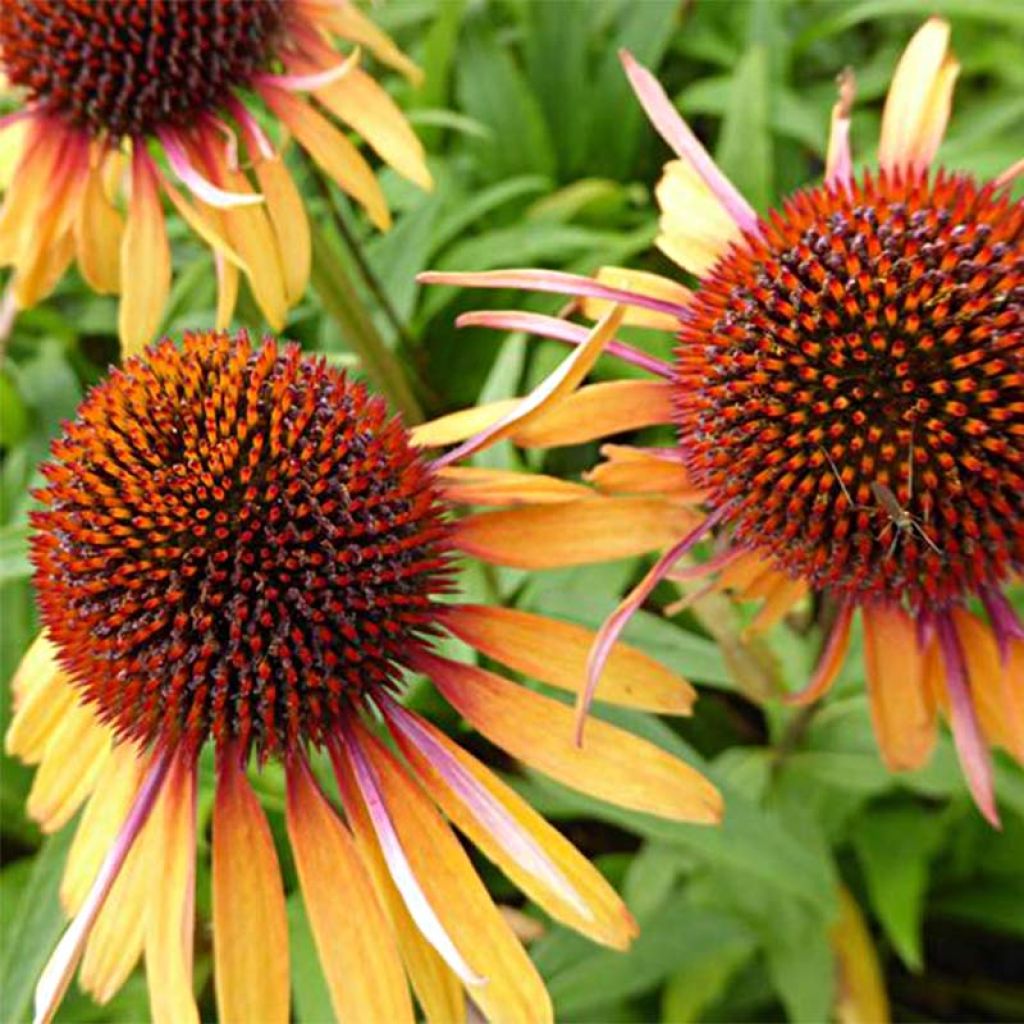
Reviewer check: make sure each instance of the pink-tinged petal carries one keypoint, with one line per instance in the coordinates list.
(402, 874)
(556, 282)
(199, 186)
(831, 661)
(676, 132)
(60, 968)
(1011, 174)
(565, 379)
(613, 626)
(970, 745)
(838, 165)
(1006, 623)
(314, 80)
(559, 330)
(491, 814)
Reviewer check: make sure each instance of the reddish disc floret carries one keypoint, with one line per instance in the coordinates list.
(853, 380)
(129, 67)
(235, 542)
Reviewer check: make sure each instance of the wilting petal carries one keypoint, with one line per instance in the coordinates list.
(511, 988)
(628, 470)
(75, 755)
(338, 157)
(676, 132)
(145, 250)
(353, 938)
(919, 101)
(612, 765)
(102, 820)
(695, 230)
(360, 102)
(201, 187)
(539, 860)
(572, 533)
(170, 916)
(476, 485)
(831, 661)
(860, 995)
(838, 165)
(437, 988)
(555, 387)
(99, 229)
(250, 928)
(903, 716)
(556, 653)
(640, 282)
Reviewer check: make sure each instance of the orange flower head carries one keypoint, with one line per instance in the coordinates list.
(849, 383)
(235, 543)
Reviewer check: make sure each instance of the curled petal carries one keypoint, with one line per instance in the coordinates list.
(199, 186)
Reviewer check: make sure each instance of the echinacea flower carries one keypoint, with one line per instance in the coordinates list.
(848, 391)
(109, 86)
(237, 546)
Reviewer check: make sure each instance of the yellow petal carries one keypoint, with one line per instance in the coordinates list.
(919, 101)
(288, 217)
(860, 986)
(512, 990)
(437, 988)
(475, 485)
(780, 599)
(352, 934)
(360, 102)
(556, 653)
(347, 20)
(250, 928)
(695, 228)
(31, 189)
(75, 755)
(457, 426)
(903, 715)
(227, 291)
(596, 911)
(99, 229)
(334, 153)
(145, 250)
(205, 223)
(42, 696)
(643, 283)
(103, 817)
(573, 533)
(170, 915)
(629, 470)
(12, 146)
(611, 764)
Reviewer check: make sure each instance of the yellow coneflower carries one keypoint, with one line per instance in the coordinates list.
(848, 390)
(110, 86)
(237, 546)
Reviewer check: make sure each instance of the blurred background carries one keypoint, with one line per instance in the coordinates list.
(543, 158)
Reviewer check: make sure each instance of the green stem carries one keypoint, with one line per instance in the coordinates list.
(343, 304)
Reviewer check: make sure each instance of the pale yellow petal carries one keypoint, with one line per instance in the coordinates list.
(98, 232)
(642, 283)
(291, 225)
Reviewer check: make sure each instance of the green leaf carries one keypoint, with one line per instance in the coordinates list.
(14, 563)
(895, 847)
(37, 922)
(700, 980)
(309, 988)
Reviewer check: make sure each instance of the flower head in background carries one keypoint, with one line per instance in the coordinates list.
(238, 547)
(848, 390)
(110, 86)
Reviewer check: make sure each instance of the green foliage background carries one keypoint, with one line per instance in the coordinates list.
(543, 158)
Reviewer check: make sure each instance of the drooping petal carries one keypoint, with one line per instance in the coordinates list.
(42, 696)
(227, 290)
(612, 765)
(903, 716)
(536, 857)
(30, 192)
(145, 249)
(99, 229)
(338, 157)
(360, 102)
(836, 647)
(555, 387)
(352, 934)
(205, 223)
(200, 187)
(860, 997)
(170, 915)
(250, 927)
(436, 985)
(103, 817)
(477, 485)
(511, 988)
(919, 101)
(838, 163)
(556, 653)
(291, 225)
(676, 132)
(572, 533)
(695, 230)
(348, 21)
(783, 594)
(640, 282)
